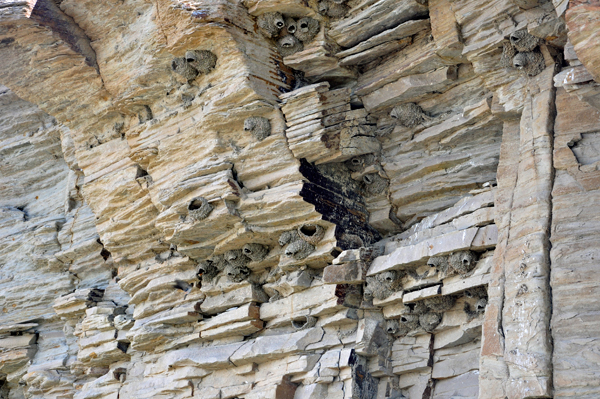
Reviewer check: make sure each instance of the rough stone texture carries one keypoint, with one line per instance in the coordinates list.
(289, 199)
(574, 254)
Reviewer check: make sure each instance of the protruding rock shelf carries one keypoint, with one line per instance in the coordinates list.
(299, 199)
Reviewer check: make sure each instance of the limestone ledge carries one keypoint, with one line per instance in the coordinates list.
(298, 199)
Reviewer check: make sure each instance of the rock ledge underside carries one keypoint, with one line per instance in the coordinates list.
(299, 199)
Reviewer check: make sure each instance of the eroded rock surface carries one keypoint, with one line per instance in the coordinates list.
(299, 199)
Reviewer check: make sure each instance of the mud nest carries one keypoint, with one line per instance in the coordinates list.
(360, 162)
(288, 45)
(288, 237)
(440, 263)
(333, 8)
(383, 284)
(259, 127)
(307, 29)
(462, 262)
(236, 257)
(237, 273)
(429, 321)
(256, 252)
(194, 62)
(199, 208)
(408, 115)
(311, 233)
(523, 41)
(440, 303)
(299, 249)
(271, 23)
(374, 184)
(203, 61)
(530, 62)
(508, 53)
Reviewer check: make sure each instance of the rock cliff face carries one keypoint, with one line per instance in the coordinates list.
(299, 199)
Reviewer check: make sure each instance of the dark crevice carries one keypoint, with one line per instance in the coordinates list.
(25, 214)
(337, 197)
(123, 346)
(7, 41)
(47, 13)
(104, 252)
(140, 172)
(235, 177)
(183, 285)
(145, 114)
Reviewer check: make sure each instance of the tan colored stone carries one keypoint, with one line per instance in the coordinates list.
(382, 16)
(422, 294)
(218, 303)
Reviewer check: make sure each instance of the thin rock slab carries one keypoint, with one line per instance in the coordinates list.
(275, 346)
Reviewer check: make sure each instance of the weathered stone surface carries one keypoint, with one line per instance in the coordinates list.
(350, 267)
(353, 272)
(380, 16)
(582, 20)
(313, 301)
(416, 177)
(190, 209)
(209, 357)
(242, 313)
(412, 254)
(574, 239)
(412, 354)
(322, 128)
(219, 303)
(422, 294)
(410, 87)
(385, 42)
(272, 347)
(456, 361)
(517, 263)
(445, 31)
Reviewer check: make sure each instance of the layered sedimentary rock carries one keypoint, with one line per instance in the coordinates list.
(299, 199)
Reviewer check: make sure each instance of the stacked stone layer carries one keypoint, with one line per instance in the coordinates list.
(299, 199)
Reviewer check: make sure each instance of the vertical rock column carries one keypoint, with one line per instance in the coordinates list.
(575, 250)
(517, 349)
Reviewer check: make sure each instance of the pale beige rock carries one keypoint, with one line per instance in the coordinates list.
(571, 214)
(446, 31)
(401, 31)
(242, 313)
(412, 254)
(456, 361)
(422, 294)
(411, 354)
(322, 128)
(128, 193)
(304, 301)
(466, 383)
(216, 356)
(480, 276)
(219, 303)
(458, 335)
(410, 87)
(241, 328)
(394, 311)
(270, 347)
(395, 298)
(381, 16)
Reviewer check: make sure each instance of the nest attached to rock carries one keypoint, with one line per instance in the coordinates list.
(259, 127)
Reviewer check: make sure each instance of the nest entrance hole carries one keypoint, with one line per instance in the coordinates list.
(309, 230)
(195, 204)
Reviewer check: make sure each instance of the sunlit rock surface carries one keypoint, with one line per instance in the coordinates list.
(299, 199)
